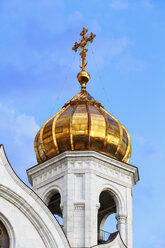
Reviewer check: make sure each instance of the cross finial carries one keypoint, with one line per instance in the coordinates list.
(85, 39)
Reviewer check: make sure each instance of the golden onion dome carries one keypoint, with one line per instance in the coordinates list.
(83, 124)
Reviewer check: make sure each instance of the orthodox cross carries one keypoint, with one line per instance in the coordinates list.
(85, 39)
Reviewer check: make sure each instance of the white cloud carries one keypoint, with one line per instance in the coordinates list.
(118, 4)
(23, 127)
(17, 133)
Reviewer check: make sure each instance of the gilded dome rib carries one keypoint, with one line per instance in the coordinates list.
(106, 126)
(71, 131)
(79, 127)
(128, 151)
(120, 139)
(36, 148)
(121, 133)
(41, 136)
(97, 134)
(89, 126)
(40, 150)
(119, 126)
(54, 129)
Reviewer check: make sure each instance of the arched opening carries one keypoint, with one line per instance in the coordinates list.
(107, 223)
(54, 206)
(4, 237)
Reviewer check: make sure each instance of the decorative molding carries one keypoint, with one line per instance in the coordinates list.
(121, 219)
(47, 236)
(56, 169)
(117, 196)
(79, 206)
(9, 229)
(29, 212)
(49, 191)
(69, 158)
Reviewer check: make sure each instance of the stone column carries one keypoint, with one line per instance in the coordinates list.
(68, 207)
(121, 226)
(90, 210)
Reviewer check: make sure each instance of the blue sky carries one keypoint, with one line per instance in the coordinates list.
(126, 62)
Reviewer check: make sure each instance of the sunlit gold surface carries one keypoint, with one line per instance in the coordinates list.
(83, 76)
(85, 39)
(83, 124)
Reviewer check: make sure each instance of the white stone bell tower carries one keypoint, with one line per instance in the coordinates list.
(80, 178)
(83, 174)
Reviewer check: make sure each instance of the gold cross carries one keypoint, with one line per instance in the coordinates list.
(82, 45)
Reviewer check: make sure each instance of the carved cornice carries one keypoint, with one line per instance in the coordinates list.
(69, 159)
(82, 162)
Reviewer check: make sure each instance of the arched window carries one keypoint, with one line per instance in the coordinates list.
(54, 206)
(106, 216)
(4, 237)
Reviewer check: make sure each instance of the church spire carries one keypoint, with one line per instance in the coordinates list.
(83, 76)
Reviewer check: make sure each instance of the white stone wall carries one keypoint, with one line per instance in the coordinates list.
(25, 234)
(28, 221)
(80, 177)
